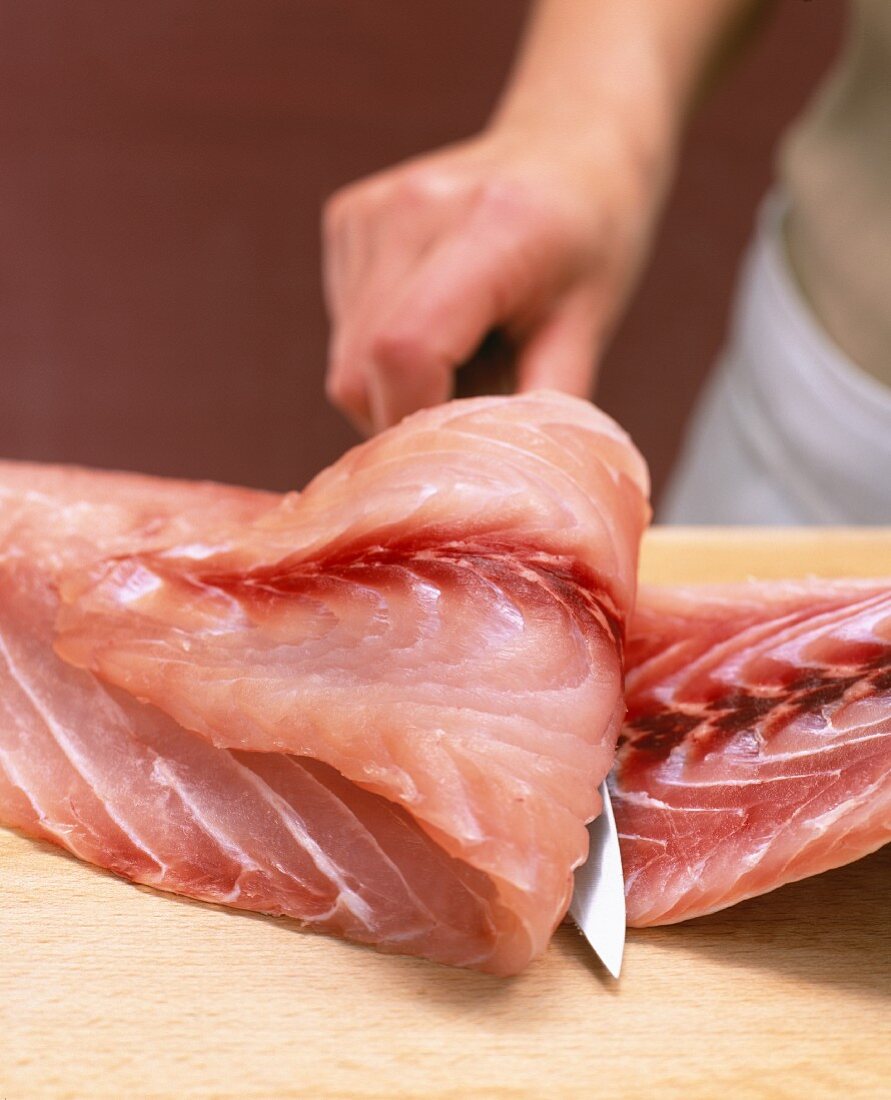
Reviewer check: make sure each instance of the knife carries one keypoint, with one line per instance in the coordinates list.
(490, 370)
(598, 899)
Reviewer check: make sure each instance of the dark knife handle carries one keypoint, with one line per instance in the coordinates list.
(491, 370)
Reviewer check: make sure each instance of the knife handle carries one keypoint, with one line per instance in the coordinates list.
(490, 370)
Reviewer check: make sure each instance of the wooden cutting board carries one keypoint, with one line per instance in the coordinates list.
(107, 989)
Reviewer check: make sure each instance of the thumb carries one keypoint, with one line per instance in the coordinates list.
(563, 351)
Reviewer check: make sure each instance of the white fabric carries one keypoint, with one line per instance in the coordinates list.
(788, 430)
(834, 166)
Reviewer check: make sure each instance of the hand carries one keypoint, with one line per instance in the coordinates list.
(516, 231)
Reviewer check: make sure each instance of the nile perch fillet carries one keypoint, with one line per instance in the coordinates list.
(757, 745)
(382, 706)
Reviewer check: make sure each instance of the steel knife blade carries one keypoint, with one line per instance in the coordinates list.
(598, 899)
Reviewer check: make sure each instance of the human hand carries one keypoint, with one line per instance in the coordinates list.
(519, 231)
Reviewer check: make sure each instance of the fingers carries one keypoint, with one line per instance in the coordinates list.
(421, 266)
(563, 351)
(497, 234)
(490, 271)
(347, 389)
(373, 239)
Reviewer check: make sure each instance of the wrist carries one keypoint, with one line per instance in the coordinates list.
(596, 147)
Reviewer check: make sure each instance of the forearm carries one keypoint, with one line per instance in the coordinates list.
(592, 70)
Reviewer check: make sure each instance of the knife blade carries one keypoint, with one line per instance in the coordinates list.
(598, 899)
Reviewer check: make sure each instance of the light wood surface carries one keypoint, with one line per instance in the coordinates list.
(107, 989)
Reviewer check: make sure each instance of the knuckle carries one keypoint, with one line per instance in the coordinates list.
(503, 198)
(345, 206)
(334, 213)
(341, 389)
(398, 351)
(371, 198)
(520, 210)
(412, 190)
(420, 187)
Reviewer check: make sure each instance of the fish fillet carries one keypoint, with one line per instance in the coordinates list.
(382, 706)
(757, 746)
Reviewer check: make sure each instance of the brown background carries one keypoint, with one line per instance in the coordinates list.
(163, 164)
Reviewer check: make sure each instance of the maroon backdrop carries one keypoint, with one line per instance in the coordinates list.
(163, 165)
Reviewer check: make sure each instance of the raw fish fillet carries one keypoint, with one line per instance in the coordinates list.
(757, 746)
(381, 707)
(121, 785)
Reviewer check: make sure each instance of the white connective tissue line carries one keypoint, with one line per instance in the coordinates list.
(598, 899)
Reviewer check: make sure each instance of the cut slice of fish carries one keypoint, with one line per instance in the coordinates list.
(431, 631)
(757, 748)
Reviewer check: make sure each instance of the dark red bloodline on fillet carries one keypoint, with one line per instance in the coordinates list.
(657, 733)
(580, 589)
(651, 731)
(882, 681)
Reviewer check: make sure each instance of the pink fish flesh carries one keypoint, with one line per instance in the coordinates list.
(757, 745)
(381, 707)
